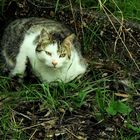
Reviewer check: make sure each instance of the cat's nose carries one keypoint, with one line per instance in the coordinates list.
(54, 62)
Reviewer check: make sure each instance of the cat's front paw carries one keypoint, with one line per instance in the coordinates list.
(15, 83)
(5, 71)
(18, 78)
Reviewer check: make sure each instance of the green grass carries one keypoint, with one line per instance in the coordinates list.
(93, 93)
(130, 9)
(65, 97)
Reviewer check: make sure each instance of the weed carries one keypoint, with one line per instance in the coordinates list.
(118, 107)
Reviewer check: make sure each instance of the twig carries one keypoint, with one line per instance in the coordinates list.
(25, 116)
(71, 133)
(33, 134)
(81, 16)
(73, 15)
(118, 35)
(40, 124)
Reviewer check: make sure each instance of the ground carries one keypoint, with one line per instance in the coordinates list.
(103, 104)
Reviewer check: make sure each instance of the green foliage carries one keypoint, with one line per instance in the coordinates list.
(134, 128)
(118, 107)
(80, 99)
(101, 99)
(130, 8)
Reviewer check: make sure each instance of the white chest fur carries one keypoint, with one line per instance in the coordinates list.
(66, 73)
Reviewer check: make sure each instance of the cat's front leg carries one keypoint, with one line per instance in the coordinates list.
(19, 70)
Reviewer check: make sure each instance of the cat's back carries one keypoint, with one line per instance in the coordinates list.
(16, 31)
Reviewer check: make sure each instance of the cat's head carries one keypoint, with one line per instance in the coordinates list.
(54, 50)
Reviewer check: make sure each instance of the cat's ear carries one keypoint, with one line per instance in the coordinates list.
(45, 34)
(70, 38)
(68, 43)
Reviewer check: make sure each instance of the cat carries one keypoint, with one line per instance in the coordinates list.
(51, 48)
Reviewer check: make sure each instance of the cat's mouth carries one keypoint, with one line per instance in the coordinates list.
(53, 67)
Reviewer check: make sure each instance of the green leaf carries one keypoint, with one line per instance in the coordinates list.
(123, 108)
(134, 128)
(118, 107)
(112, 110)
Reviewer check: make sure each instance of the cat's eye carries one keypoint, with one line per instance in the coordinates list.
(62, 55)
(48, 53)
(39, 50)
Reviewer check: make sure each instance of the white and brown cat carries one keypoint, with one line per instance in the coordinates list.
(52, 50)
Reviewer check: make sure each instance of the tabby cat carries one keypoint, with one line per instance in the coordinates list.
(52, 50)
